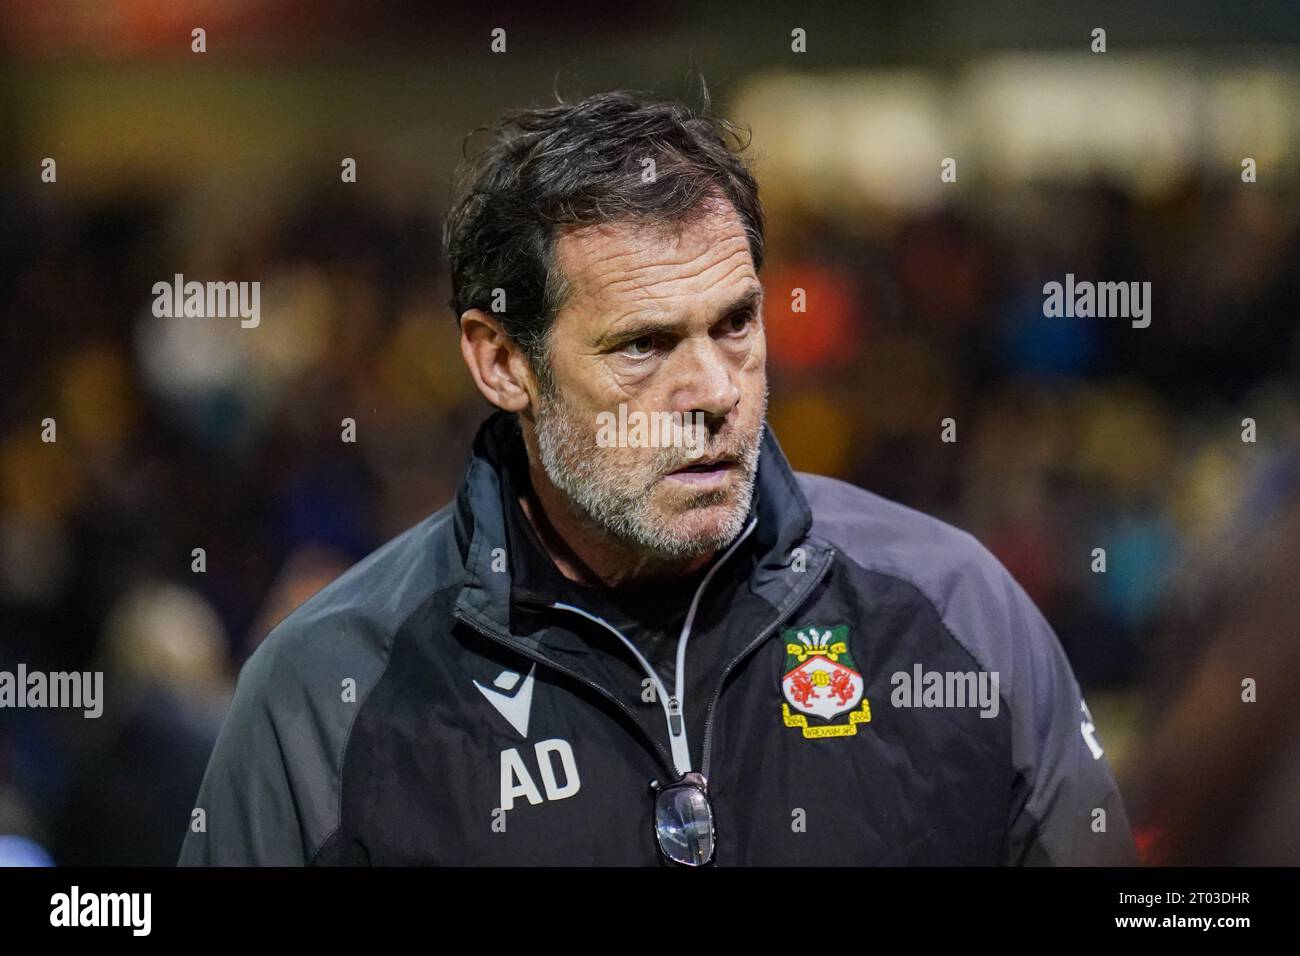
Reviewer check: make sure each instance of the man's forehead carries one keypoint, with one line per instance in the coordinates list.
(621, 260)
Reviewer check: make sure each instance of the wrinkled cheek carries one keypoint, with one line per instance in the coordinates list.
(753, 387)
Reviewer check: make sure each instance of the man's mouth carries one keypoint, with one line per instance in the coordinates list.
(704, 474)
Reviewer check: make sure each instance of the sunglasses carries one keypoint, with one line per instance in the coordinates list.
(684, 820)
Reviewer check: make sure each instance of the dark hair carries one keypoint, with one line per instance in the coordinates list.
(578, 164)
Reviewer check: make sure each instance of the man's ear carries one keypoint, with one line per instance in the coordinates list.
(499, 367)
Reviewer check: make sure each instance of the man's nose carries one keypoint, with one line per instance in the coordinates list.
(705, 381)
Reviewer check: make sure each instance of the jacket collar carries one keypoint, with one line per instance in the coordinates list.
(784, 519)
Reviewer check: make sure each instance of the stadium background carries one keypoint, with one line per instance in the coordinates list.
(925, 301)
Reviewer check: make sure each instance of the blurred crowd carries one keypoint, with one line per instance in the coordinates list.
(1072, 435)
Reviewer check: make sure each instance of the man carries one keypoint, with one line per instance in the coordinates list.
(617, 650)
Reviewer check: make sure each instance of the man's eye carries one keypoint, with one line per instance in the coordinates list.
(741, 319)
(642, 346)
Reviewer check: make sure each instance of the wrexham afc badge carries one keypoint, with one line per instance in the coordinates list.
(822, 680)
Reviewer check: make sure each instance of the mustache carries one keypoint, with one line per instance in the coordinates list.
(741, 449)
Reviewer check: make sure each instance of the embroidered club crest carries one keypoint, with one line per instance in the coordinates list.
(822, 680)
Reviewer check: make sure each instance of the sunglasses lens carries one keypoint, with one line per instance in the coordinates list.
(684, 825)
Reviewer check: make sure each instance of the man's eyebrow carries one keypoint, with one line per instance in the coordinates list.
(635, 330)
(748, 300)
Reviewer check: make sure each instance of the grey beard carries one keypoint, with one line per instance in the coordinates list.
(570, 459)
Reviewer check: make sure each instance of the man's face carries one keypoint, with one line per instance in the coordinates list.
(661, 324)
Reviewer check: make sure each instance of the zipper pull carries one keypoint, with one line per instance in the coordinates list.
(674, 717)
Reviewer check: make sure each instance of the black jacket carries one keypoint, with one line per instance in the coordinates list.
(428, 708)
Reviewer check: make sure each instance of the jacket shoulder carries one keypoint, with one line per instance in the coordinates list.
(272, 789)
(374, 596)
(892, 538)
(843, 514)
(346, 629)
(1054, 749)
(981, 604)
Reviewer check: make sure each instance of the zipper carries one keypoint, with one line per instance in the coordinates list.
(672, 704)
(659, 748)
(794, 604)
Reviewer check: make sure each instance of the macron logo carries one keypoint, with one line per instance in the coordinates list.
(513, 707)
